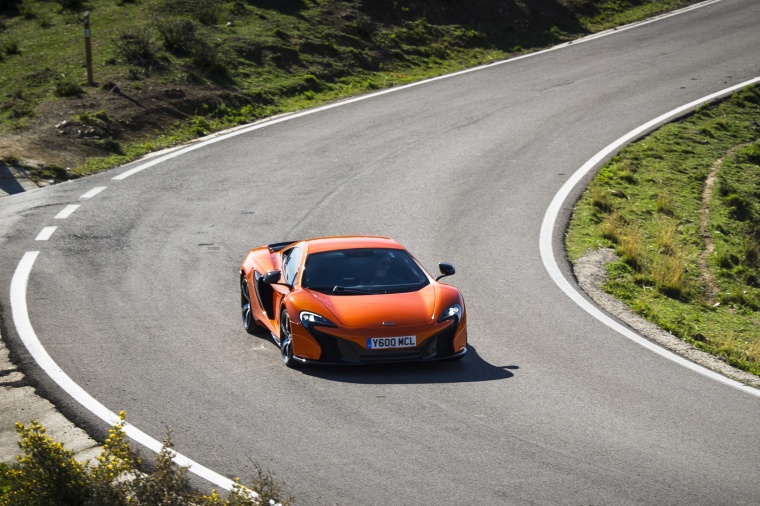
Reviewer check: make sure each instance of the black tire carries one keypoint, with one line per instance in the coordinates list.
(286, 340)
(249, 322)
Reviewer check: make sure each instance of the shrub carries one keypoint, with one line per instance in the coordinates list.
(178, 34)
(71, 4)
(751, 153)
(206, 59)
(111, 144)
(741, 208)
(48, 474)
(205, 11)
(22, 110)
(90, 116)
(11, 47)
(136, 47)
(67, 88)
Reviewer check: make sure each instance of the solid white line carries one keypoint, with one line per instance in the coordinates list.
(268, 122)
(27, 335)
(20, 277)
(66, 212)
(92, 192)
(45, 234)
(550, 218)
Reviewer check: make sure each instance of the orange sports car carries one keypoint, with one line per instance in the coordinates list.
(351, 300)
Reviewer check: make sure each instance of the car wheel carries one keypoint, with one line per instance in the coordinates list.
(249, 322)
(286, 340)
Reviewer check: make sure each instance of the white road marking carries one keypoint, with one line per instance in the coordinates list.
(23, 270)
(92, 192)
(27, 335)
(287, 117)
(45, 234)
(66, 212)
(550, 218)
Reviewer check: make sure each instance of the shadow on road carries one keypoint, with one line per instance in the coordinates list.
(8, 182)
(471, 368)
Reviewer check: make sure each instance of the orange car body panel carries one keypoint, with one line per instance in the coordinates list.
(358, 317)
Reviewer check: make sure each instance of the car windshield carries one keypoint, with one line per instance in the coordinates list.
(363, 271)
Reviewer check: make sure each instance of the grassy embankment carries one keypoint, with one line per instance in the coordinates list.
(241, 60)
(274, 57)
(681, 208)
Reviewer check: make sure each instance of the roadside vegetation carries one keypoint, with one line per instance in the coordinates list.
(168, 71)
(681, 209)
(47, 474)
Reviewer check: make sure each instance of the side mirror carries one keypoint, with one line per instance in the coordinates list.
(446, 270)
(271, 277)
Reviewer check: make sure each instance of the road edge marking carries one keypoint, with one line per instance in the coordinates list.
(20, 314)
(550, 218)
(227, 134)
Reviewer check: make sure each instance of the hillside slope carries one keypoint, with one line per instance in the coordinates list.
(195, 66)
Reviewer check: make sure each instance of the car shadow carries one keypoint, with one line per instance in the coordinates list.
(471, 368)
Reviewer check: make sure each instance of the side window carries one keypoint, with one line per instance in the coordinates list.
(291, 259)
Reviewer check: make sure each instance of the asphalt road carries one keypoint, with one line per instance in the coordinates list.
(134, 295)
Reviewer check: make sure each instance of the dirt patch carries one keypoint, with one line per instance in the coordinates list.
(67, 132)
(591, 272)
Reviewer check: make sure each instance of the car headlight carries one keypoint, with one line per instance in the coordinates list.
(308, 319)
(453, 312)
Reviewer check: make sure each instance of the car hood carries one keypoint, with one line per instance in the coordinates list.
(381, 310)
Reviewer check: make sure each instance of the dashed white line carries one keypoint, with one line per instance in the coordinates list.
(66, 212)
(23, 270)
(550, 218)
(92, 192)
(45, 234)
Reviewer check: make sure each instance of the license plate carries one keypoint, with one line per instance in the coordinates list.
(377, 343)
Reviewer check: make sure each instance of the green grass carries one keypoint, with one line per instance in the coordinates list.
(263, 58)
(647, 205)
(620, 12)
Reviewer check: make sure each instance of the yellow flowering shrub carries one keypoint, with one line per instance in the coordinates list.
(47, 474)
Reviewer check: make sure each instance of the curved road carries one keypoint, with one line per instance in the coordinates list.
(134, 293)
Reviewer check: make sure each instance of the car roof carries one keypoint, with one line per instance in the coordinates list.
(320, 244)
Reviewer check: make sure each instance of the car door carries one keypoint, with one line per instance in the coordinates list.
(290, 265)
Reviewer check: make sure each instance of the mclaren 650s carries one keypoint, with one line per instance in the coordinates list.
(351, 300)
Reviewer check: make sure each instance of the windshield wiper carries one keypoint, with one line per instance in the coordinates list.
(344, 289)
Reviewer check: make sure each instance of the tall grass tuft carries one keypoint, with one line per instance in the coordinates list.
(665, 203)
(611, 227)
(600, 197)
(669, 274)
(666, 235)
(632, 247)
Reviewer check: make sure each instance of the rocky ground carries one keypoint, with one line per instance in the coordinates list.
(20, 403)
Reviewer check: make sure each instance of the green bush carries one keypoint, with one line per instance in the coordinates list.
(68, 88)
(178, 33)
(47, 474)
(135, 46)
